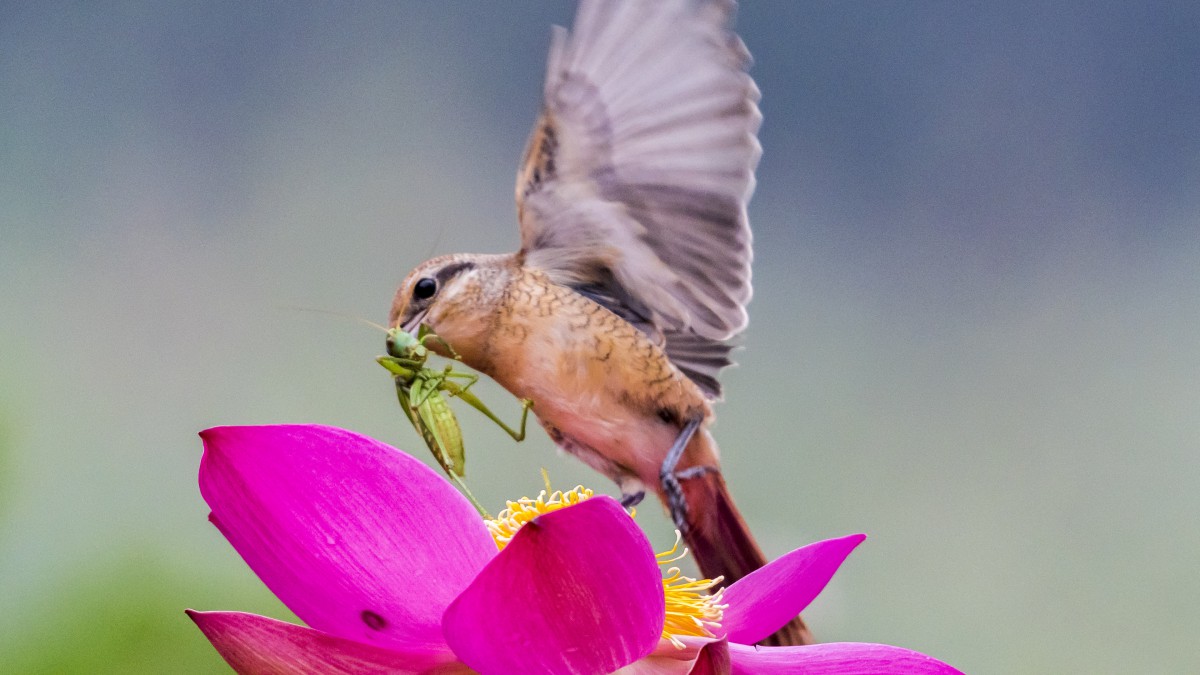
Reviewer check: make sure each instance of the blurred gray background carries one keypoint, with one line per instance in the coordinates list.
(973, 334)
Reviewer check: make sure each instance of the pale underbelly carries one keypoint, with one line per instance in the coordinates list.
(590, 391)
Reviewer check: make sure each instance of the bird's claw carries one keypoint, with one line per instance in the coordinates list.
(669, 478)
(673, 491)
(628, 501)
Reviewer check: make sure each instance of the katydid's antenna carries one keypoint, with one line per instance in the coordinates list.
(437, 241)
(344, 315)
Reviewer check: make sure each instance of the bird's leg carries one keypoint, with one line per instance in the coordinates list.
(633, 491)
(670, 479)
(693, 471)
(628, 501)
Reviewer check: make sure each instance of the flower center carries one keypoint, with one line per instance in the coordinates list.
(515, 514)
(692, 609)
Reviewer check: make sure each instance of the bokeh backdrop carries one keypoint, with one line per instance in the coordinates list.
(973, 336)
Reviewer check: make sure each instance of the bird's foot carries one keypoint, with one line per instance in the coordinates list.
(632, 499)
(673, 491)
(694, 471)
(669, 478)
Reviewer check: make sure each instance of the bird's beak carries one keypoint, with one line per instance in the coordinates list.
(414, 323)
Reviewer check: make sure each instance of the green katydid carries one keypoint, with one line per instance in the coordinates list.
(420, 389)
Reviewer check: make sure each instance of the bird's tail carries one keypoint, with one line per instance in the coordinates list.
(721, 542)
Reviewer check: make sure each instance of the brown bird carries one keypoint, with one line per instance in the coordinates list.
(615, 316)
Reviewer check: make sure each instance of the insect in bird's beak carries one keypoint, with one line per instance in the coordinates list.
(423, 392)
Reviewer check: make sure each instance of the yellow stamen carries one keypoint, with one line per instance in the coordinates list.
(693, 609)
(516, 514)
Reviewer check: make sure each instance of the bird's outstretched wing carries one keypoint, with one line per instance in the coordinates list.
(634, 183)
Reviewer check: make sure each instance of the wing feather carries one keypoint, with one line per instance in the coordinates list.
(636, 177)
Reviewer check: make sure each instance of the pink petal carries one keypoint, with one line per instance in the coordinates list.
(761, 602)
(835, 658)
(715, 659)
(575, 591)
(667, 659)
(360, 540)
(250, 643)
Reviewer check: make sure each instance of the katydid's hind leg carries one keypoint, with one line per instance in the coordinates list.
(473, 401)
(467, 492)
(672, 489)
(526, 404)
(471, 379)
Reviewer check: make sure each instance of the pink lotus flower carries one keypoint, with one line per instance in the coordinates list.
(394, 571)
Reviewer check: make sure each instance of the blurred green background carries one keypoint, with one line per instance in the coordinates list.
(974, 332)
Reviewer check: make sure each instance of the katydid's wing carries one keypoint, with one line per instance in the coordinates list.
(406, 405)
(442, 426)
(417, 389)
(634, 184)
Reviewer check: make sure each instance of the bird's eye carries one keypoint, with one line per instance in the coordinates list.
(424, 289)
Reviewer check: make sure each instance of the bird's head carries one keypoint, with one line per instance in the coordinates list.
(452, 294)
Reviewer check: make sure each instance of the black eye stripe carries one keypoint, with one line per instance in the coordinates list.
(450, 271)
(427, 287)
